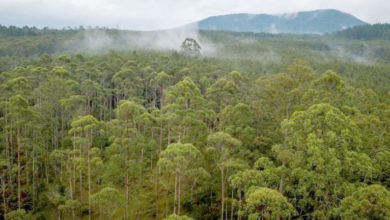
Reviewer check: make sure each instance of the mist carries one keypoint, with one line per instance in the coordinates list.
(102, 40)
(363, 55)
(263, 48)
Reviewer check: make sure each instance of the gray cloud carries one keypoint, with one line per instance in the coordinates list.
(162, 14)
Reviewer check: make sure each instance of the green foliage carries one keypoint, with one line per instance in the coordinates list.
(177, 217)
(109, 202)
(370, 202)
(178, 157)
(264, 203)
(18, 215)
(253, 133)
(367, 32)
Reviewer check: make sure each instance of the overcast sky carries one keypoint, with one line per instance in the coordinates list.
(162, 14)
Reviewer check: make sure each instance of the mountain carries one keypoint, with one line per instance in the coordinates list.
(318, 21)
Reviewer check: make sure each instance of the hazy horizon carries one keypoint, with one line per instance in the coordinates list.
(158, 15)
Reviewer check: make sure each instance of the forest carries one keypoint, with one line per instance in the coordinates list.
(97, 124)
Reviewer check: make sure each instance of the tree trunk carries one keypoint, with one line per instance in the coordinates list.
(71, 190)
(162, 97)
(47, 164)
(74, 164)
(281, 183)
(175, 197)
(226, 205)
(169, 135)
(19, 168)
(222, 194)
(3, 186)
(232, 208)
(89, 179)
(179, 200)
(166, 205)
(127, 183)
(240, 201)
(81, 174)
(157, 194)
(58, 214)
(33, 178)
(161, 133)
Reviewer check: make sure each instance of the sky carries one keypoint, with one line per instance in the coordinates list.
(165, 14)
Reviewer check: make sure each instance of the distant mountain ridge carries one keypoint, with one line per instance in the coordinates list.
(317, 21)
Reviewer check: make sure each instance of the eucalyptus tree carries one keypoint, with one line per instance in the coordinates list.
(126, 136)
(223, 145)
(123, 80)
(179, 160)
(4, 184)
(108, 202)
(368, 202)
(331, 88)
(160, 82)
(191, 47)
(324, 143)
(145, 76)
(67, 162)
(20, 119)
(222, 93)
(83, 128)
(91, 90)
(265, 203)
(20, 123)
(262, 174)
(48, 96)
(277, 96)
(73, 106)
(186, 112)
(238, 120)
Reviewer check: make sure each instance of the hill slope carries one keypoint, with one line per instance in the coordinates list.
(367, 32)
(318, 21)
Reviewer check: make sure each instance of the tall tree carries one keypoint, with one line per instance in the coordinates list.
(179, 160)
(85, 127)
(223, 145)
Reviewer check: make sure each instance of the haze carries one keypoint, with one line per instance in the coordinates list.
(157, 14)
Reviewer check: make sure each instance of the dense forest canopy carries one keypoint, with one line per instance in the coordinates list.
(96, 124)
(367, 32)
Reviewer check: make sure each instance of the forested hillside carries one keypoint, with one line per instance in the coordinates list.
(258, 126)
(317, 21)
(367, 32)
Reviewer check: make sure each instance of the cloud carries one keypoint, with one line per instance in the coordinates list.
(163, 14)
(289, 15)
